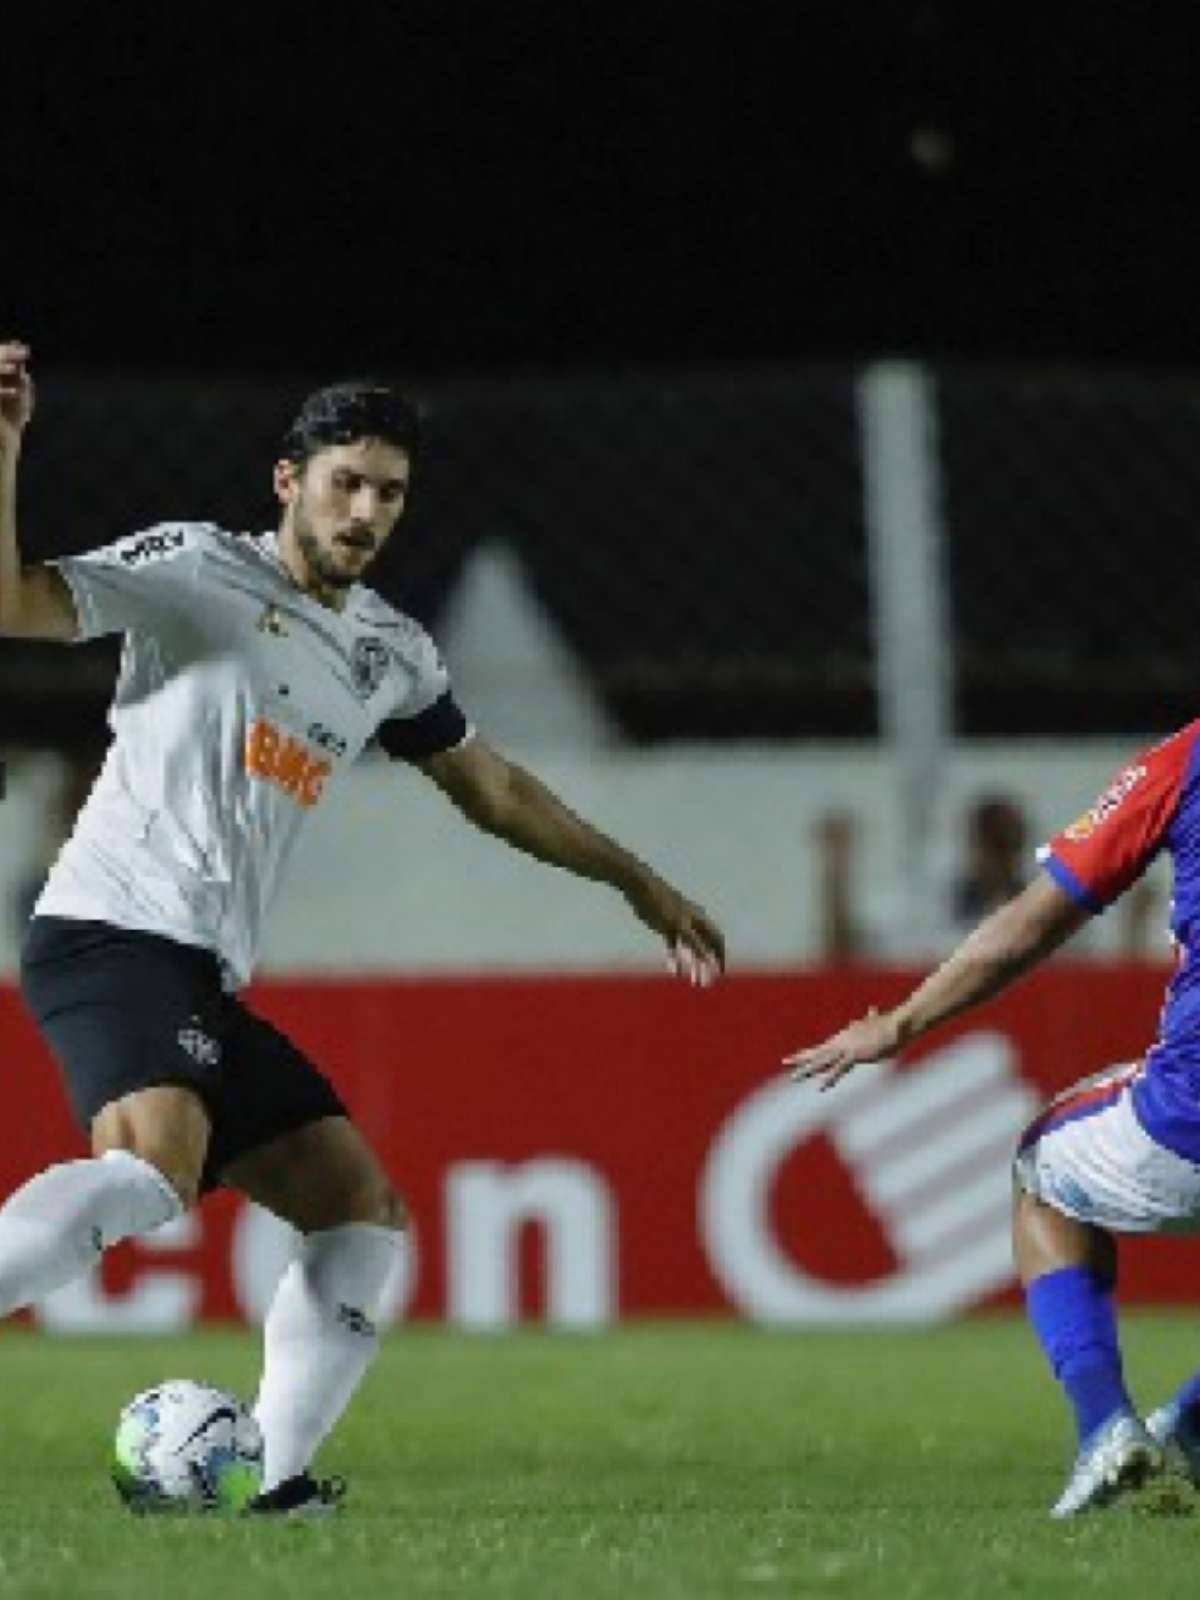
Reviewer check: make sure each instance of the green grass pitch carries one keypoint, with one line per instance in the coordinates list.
(664, 1460)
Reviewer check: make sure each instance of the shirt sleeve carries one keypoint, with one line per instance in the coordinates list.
(441, 726)
(133, 582)
(1102, 852)
(426, 719)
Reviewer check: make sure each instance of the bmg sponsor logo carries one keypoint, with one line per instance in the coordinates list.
(285, 762)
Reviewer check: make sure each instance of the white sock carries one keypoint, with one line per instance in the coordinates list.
(319, 1338)
(55, 1227)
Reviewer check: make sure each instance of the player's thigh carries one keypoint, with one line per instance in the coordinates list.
(1088, 1157)
(271, 1093)
(134, 1022)
(320, 1175)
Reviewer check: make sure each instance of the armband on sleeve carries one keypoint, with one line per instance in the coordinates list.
(441, 726)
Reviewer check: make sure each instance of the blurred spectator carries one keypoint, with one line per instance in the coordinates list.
(841, 935)
(996, 863)
(997, 860)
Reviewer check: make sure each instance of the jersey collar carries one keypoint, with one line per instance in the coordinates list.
(268, 544)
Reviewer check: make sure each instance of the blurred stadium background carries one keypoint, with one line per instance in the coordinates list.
(812, 410)
(718, 607)
(715, 612)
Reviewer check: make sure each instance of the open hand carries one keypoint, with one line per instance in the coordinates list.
(695, 945)
(871, 1038)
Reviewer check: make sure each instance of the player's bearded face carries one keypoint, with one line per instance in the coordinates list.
(330, 566)
(343, 508)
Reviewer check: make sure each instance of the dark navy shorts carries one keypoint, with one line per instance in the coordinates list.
(124, 1010)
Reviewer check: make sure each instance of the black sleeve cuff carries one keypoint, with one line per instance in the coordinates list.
(440, 726)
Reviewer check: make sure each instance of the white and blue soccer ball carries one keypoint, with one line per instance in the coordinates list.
(185, 1446)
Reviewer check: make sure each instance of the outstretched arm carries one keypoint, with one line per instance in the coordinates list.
(1004, 945)
(35, 602)
(506, 800)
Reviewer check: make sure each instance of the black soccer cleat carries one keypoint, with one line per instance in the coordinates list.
(301, 1496)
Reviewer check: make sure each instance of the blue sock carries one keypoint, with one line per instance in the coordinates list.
(1076, 1326)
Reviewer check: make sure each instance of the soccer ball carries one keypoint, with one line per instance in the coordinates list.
(184, 1446)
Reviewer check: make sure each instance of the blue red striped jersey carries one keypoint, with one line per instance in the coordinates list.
(1152, 805)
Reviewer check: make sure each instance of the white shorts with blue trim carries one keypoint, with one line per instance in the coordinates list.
(1088, 1155)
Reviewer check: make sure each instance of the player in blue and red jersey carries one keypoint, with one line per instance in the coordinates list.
(1118, 1153)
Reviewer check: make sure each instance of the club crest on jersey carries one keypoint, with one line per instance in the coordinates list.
(369, 662)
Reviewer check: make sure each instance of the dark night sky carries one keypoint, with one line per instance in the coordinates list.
(475, 187)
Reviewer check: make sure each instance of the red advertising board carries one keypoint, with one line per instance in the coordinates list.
(586, 1148)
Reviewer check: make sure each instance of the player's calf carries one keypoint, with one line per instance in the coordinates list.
(320, 1336)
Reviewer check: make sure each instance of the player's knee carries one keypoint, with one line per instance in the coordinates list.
(378, 1203)
(176, 1168)
(165, 1126)
(369, 1198)
(393, 1211)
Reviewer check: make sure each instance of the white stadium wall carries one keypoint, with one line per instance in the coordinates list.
(390, 879)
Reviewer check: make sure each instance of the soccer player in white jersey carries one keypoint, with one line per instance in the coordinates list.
(254, 671)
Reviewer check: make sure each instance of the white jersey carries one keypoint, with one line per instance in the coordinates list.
(239, 699)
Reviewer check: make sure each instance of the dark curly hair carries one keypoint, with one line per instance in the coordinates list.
(344, 412)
